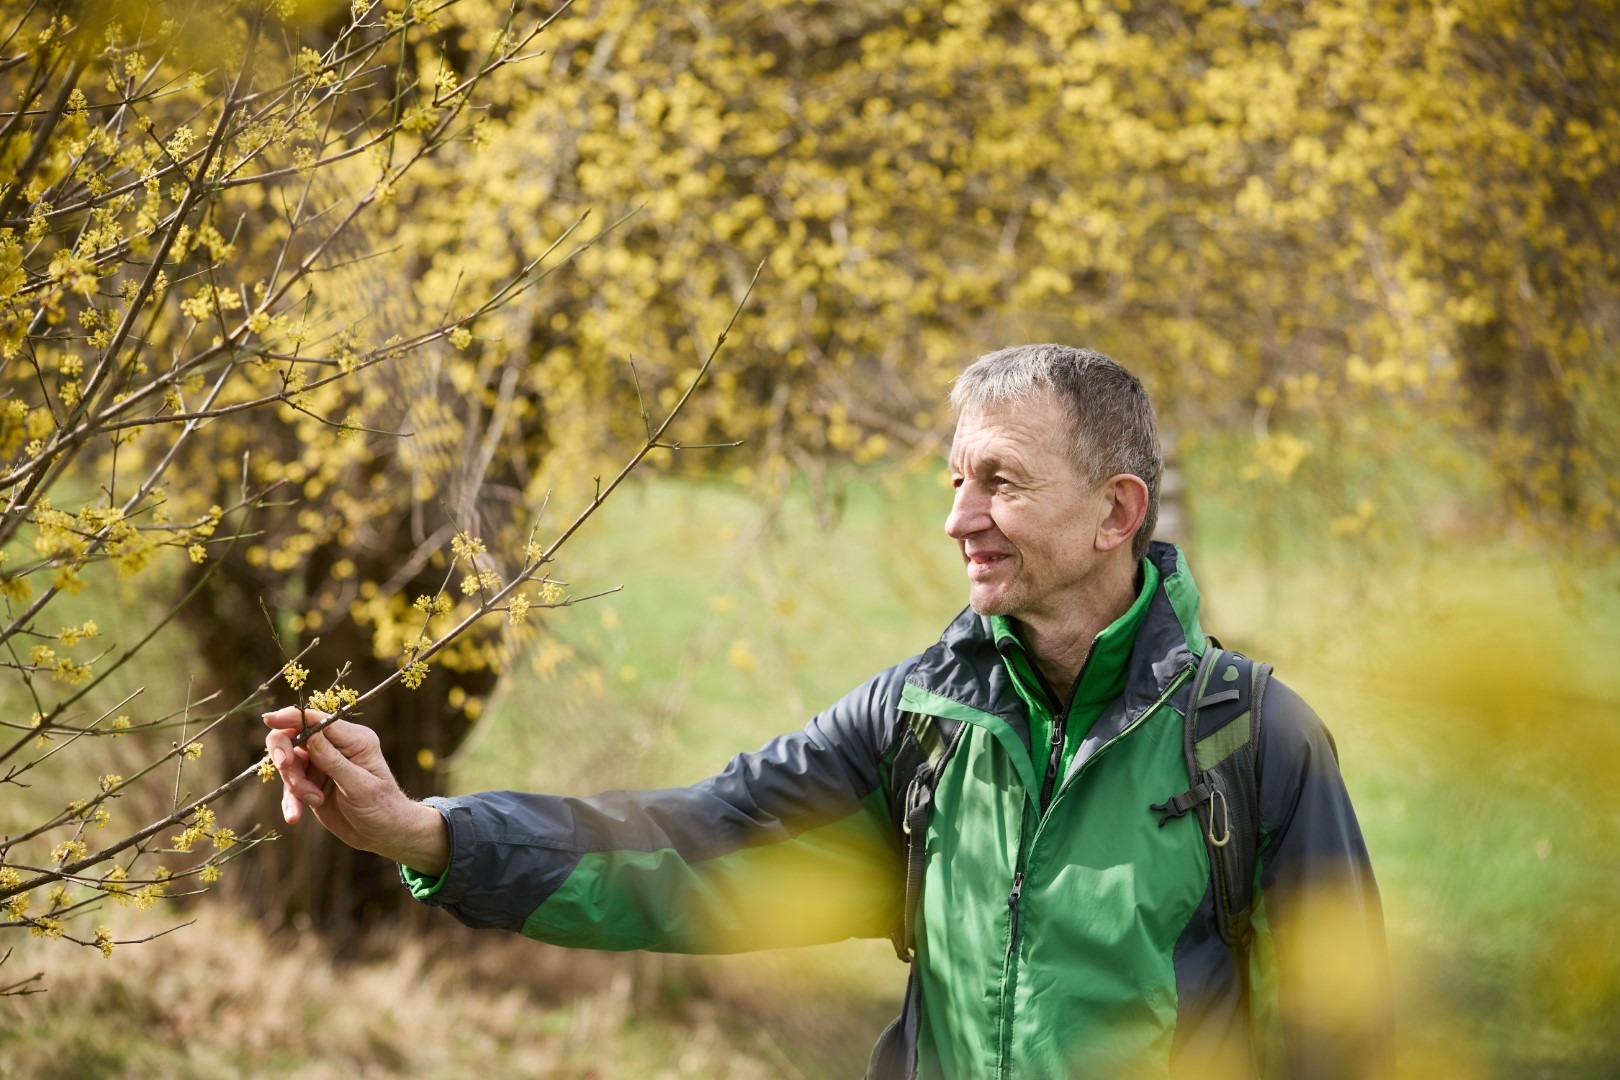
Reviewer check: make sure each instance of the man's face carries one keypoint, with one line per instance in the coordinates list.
(1024, 518)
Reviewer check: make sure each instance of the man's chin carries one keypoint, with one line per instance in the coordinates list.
(989, 603)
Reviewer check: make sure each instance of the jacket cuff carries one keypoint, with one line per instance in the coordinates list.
(451, 885)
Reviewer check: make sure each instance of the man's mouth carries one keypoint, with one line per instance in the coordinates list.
(982, 563)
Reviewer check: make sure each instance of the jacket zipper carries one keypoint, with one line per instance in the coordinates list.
(1009, 975)
(1009, 978)
(1012, 906)
(1060, 724)
(1175, 684)
(1052, 762)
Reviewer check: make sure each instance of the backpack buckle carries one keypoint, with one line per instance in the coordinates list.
(1178, 805)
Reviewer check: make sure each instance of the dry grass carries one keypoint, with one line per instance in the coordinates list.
(223, 999)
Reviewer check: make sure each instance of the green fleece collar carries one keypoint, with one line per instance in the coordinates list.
(1102, 678)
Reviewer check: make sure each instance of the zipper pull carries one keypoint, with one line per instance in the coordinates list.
(1012, 908)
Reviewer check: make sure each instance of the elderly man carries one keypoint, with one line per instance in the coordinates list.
(1026, 773)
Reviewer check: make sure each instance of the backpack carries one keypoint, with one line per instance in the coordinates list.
(1221, 732)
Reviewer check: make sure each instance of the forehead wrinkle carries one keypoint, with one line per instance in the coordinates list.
(992, 452)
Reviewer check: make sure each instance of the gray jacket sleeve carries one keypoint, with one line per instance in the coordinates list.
(790, 844)
(1322, 917)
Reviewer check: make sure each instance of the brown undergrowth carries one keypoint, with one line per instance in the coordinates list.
(222, 998)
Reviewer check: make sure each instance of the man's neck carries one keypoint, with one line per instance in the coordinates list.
(1060, 641)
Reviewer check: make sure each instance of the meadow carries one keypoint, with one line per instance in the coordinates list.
(1470, 683)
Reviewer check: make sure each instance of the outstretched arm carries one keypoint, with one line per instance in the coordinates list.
(791, 844)
(341, 775)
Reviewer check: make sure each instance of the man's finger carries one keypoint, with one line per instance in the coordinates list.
(279, 745)
(292, 718)
(291, 809)
(326, 756)
(293, 764)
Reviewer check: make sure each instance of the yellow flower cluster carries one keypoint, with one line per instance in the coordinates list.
(330, 701)
(72, 635)
(437, 605)
(480, 581)
(69, 850)
(466, 547)
(146, 897)
(295, 674)
(202, 825)
(16, 906)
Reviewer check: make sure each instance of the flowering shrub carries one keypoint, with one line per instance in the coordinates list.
(196, 387)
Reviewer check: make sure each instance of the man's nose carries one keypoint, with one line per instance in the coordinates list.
(970, 513)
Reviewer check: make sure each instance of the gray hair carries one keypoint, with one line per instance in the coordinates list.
(1111, 424)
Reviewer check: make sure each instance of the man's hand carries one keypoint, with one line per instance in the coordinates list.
(340, 773)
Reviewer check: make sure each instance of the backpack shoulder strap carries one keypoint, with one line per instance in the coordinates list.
(925, 746)
(1221, 730)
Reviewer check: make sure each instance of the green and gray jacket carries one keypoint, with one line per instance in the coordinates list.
(1062, 931)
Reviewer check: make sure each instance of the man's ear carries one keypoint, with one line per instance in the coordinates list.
(1124, 500)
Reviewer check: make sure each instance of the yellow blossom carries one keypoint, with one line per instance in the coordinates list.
(330, 701)
(483, 580)
(69, 849)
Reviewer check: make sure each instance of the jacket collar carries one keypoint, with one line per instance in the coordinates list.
(965, 666)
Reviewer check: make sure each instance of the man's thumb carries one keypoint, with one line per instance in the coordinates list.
(333, 762)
